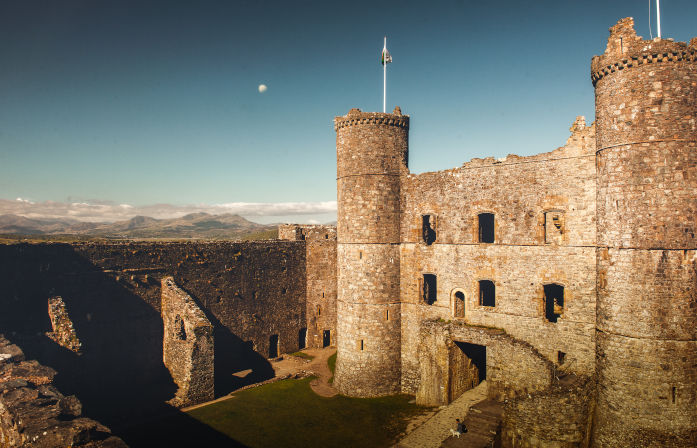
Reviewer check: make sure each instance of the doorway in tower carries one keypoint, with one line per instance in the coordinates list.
(326, 338)
(273, 346)
(467, 367)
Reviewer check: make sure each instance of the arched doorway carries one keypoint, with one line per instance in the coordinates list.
(457, 303)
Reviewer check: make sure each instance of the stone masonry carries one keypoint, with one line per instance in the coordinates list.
(188, 350)
(576, 263)
(320, 256)
(34, 413)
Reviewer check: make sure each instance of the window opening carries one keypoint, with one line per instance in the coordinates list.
(486, 227)
(179, 330)
(487, 293)
(361, 344)
(428, 230)
(429, 292)
(319, 310)
(673, 393)
(387, 314)
(554, 227)
(554, 301)
(459, 305)
(561, 357)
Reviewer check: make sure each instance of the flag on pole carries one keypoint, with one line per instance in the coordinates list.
(385, 58)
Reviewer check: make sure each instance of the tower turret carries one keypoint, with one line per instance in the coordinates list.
(372, 151)
(646, 326)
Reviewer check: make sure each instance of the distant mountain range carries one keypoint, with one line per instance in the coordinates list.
(192, 226)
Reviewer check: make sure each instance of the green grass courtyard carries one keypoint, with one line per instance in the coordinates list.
(289, 414)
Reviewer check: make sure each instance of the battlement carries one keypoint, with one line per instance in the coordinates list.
(625, 50)
(299, 232)
(355, 118)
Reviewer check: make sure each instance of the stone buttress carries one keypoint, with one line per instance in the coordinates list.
(372, 151)
(646, 349)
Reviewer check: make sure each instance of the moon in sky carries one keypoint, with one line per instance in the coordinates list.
(262, 88)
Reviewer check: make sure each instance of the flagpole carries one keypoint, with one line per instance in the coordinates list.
(384, 77)
(658, 16)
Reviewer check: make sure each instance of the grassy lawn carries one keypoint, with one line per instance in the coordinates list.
(302, 355)
(332, 366)
(288, 414)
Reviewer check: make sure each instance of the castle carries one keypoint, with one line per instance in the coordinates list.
(580, 261)
(566, 279)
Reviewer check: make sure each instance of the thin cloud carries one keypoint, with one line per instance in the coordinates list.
(105, 211)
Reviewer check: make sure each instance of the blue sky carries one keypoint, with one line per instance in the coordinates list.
(143, 103)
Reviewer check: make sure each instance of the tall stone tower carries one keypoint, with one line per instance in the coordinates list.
(646, 327)
(372, 152)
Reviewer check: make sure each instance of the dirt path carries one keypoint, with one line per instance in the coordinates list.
(319, 366)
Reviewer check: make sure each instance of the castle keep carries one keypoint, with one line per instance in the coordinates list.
(567, 280)
(578, 263)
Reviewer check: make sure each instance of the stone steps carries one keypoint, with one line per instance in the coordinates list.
(483, 422)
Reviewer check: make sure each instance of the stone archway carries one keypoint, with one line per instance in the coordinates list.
(457, 303)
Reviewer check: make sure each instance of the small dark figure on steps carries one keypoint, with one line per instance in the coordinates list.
(461, 428)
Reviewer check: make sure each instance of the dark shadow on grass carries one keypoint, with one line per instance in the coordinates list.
(232, 355)
(119, 377)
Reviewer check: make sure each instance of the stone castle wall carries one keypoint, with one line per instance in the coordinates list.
(111, 291)
(513, 368)
(320, 243)
(528, 252)
(187, 346)
(646, 115)
(557, 417)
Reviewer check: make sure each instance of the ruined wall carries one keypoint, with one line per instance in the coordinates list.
(63, 331)
(112, 294)
(187, 346)
(530, 249)
(513, 368)
(646, 115)
(33, 413)
(372, 151)
(320, 243)
(252, 289)
(557, 417)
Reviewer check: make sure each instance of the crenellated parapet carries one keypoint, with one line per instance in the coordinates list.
(356, 118)
(626, 50)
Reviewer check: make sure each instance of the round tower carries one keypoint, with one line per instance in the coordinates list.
(372, 151)
(646, 323)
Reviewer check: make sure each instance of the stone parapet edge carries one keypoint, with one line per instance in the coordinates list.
(641, 59)
(371, 119)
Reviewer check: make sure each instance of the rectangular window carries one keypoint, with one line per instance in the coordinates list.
(487, 293)
(429, 291)
(554, 227)
(428, 229)
(486, 227)
(554, 301)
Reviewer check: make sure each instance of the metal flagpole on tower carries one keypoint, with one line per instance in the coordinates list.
(385, 59)
(384, 74)
(658, 17)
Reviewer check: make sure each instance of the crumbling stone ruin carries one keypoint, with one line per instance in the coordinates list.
(187, 350)
(566, 279)
(33, 413)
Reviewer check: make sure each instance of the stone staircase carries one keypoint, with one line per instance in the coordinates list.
(483, 423)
